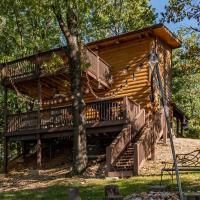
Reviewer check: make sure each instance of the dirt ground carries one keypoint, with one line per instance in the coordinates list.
(32, 179)
(163, 153)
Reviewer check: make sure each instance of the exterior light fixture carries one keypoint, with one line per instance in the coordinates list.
(87, 91)
(110, 80)
(126, 83)
(153, 58)
(99, 86)
(134, 77)
(78, 94)
(125, 70)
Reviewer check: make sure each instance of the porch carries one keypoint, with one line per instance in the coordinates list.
(105, 115)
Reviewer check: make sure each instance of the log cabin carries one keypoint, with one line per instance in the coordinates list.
(124, 116)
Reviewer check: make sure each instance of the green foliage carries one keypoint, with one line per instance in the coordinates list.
(178, 10)
(54, 65)
(93, 189)
(28, 27)
(186, 79)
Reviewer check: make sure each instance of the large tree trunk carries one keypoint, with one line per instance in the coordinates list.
(71, 33)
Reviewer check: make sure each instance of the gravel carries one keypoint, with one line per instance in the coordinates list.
(152, 196)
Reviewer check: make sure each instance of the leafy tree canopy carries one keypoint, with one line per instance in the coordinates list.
(178, 10)
(186, 78)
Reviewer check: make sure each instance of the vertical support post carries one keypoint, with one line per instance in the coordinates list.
(125, 108)
(5, 139)
(136, 159)
(24, 150)
(177, 126)
(39, 152)
(181, 128)
(39, 100)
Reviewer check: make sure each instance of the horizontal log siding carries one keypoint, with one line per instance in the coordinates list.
(165, 53)
(121, 55)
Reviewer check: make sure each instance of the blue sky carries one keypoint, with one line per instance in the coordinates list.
(159, 5)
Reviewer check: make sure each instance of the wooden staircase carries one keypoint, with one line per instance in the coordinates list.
(136, 142)
(120, 153)
(126, 160)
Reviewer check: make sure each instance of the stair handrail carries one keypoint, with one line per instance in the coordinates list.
(139, 121)
(145, 146)
(132, 109)
(118, 145)
(123, 139)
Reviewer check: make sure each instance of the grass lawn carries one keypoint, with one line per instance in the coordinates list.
(93, 189)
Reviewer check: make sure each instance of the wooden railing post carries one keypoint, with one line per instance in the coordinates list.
(5, 163)
(136, 159)
(125, 108)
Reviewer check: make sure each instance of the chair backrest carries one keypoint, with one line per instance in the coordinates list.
(191, 159)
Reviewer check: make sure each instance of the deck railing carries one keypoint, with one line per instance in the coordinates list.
(97, 111)
(29, 67)
(98, 67)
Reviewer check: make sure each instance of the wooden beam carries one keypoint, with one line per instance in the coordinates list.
(5, 165)
(177, 126)
(5, 162)
(39, 100)
(181, 128)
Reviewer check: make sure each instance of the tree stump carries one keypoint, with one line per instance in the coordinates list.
(112, 192)
(74, 194)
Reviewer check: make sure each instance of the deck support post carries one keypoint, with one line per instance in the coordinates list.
(39, 100)
(181, 128)
(177, 126)
(5, 139)
(136, 159)
(5, 162)
(24, 150)
(39, 152)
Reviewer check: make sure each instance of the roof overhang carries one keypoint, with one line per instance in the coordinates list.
(158, 30)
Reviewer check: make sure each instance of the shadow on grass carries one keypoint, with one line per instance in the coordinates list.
(94, 190)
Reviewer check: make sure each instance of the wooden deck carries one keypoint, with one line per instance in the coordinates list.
(24, 74)
(101, 116)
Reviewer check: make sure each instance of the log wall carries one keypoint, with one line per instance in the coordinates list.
(135, 55)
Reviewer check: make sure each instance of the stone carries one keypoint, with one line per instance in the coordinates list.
(74, 194)
(158, 187)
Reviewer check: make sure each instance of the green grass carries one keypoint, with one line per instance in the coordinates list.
(93, 189)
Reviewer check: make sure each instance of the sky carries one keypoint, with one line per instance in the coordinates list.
(159, 5)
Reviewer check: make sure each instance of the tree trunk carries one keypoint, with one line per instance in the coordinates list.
(70, 31)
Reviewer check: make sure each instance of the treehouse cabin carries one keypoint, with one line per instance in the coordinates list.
(124, 116)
